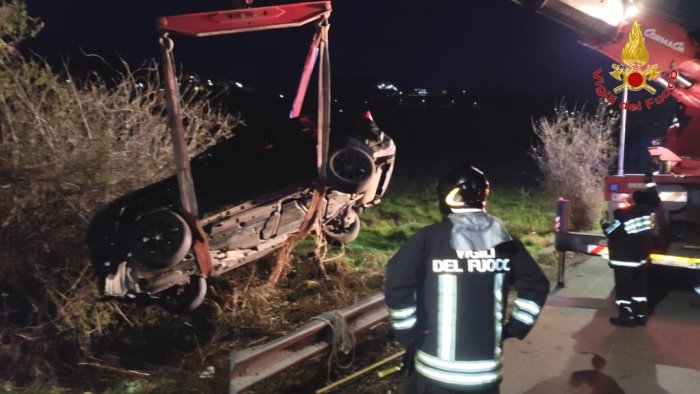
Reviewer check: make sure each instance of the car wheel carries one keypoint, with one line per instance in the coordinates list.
(184, 299)
(344, 228)
(350, 167)
(160, 239)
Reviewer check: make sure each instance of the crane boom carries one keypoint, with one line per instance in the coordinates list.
(633, 39)
(605, 27)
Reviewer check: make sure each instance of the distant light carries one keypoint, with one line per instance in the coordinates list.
(464, 92)
(238, 84)
(421, 91)
(68, 81)
(422, 100)
(475, 103)
(209, 82)
(387, 86)
(631, 11)
(340, 110)
(281, 95)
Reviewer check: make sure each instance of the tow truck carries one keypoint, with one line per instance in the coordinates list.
(623, 30)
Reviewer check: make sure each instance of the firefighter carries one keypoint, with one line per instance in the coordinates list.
(629, 234)
(446, 290)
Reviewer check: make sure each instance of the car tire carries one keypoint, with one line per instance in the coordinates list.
(160, 239)
(350, 167)
(186, 298)
(337, 232)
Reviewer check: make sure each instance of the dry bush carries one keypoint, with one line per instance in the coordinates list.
(574, 153)
(67, 146)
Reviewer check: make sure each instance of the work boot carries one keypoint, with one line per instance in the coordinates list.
(639, 308)
(625, 318)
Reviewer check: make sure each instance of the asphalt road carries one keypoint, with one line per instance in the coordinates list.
(574, 348)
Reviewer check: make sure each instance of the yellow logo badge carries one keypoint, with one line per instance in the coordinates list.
(635, 56)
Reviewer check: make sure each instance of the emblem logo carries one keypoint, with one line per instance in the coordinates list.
(634, 75)
(635, 56)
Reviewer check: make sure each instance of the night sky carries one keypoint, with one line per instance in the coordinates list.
(476, 46)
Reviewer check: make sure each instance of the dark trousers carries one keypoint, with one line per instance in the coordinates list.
(418, 384)
(631, 288)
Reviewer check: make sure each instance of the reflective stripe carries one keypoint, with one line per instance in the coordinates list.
(627, 263)
(675, 261)
(638, 225)
(463, 210)
(447, 316)
(639, 299)
(612, 227)
(402, 319)
(528, 306)
(403, 324)
(455, 378)
(673, 196)
(498, 313)
(625, 304)
(457, 366)
(402, 313)
(524, 317)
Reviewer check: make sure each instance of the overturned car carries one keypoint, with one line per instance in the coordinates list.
(253, 191)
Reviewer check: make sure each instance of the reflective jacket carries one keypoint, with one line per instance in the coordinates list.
(446, 290)
(629, 233)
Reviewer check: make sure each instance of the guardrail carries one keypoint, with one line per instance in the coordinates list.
(254, 364)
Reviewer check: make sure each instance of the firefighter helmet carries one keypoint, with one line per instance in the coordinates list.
(464, 186)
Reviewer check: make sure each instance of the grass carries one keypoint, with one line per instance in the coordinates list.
(411, 204)
(171, 351)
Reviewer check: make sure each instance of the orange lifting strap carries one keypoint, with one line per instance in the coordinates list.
(237, 21)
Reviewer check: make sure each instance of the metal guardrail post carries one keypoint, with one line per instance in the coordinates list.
(561, 226)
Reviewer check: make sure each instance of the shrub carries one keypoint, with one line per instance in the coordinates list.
(574, 153)
(68, 146)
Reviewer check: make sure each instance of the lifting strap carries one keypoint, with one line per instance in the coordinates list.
(188, 199)
(322, 123)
